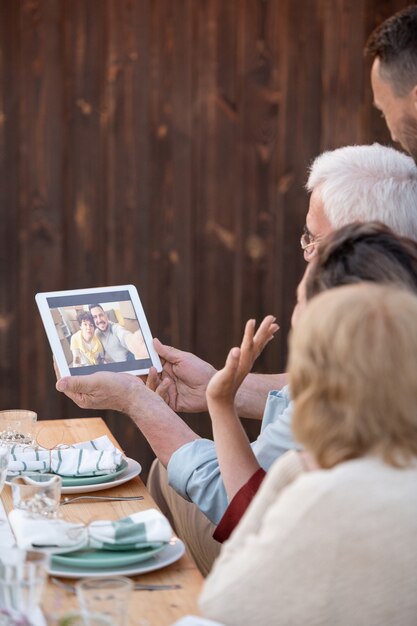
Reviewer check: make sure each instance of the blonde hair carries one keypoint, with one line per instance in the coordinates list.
(352, 365)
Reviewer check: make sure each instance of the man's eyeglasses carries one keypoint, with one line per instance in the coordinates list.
(308, 242)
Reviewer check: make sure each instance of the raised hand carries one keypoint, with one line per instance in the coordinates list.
(225, 383)
(237, 461)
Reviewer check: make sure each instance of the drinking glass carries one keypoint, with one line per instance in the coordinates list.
(4, 462)
(17, 427)
(108, 596)
(81, 618)
(37, 494)
(22, 579)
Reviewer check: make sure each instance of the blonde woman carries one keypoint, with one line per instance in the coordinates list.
(337, 545)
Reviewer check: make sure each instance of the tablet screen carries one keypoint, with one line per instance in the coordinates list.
(92, 330)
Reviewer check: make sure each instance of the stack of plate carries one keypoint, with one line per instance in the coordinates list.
(128, 469)
(124, 562)
(84, 484)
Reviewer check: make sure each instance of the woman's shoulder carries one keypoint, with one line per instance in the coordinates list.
(365, 481)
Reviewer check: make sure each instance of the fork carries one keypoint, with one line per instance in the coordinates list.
(136, 586)
(101, 499)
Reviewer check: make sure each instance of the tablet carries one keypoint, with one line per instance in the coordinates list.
(98, 329)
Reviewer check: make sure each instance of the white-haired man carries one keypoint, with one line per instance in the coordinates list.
(355, 183)
(358, 184)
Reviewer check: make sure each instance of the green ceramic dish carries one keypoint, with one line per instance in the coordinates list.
(104, 558)
(79, 481)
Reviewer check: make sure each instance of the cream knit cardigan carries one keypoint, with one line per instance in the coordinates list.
(336, 547)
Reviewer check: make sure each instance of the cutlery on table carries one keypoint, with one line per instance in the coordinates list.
(136, 586)
(101, 499)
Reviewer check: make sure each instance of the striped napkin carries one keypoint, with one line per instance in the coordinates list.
(89, 458)
(145, 529)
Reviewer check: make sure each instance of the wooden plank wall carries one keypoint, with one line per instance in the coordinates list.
(165, 143)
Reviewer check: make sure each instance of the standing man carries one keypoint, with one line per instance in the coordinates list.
(119, 344)
(393, 46)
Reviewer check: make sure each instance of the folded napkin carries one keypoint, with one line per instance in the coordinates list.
(89, 458)
(146, 529)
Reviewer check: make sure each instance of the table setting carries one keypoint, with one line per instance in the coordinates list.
(130, 545)
(84, 467)
(78, 541)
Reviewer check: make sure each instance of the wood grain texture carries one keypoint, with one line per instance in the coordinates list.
(9, 203)
(166, 144)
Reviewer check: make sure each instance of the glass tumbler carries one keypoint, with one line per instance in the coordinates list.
(37, 494)
(17, 427)
(22, 579)
(108, 596)
(4, 462)
(81, 618)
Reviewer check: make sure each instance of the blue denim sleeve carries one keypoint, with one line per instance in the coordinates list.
(193, 471)
(276, 436)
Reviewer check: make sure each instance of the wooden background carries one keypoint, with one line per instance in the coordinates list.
(165, 143)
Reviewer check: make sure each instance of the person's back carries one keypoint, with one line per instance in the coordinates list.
(339, 545)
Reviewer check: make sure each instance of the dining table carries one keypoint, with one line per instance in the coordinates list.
(146, 608)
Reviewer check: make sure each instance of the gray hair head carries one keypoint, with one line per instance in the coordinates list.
(367, 183)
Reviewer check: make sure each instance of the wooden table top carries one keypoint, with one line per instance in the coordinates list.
(147, 608)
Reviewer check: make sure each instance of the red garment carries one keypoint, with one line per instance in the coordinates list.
(238, 506)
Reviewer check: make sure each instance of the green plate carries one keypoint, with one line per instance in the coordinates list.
(78, 481)
(105, 558)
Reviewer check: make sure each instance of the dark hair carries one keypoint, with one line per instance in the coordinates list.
(93, 306)
(394, 43)
(363, 252)
(85, 317)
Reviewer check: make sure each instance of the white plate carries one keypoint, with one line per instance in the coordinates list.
(168, 555)
(133, 469)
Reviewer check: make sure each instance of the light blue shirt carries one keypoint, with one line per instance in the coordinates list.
(193, 470)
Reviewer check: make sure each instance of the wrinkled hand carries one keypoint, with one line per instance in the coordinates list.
(159, 385)
(225, 383)
(102, 390)
(185, 379)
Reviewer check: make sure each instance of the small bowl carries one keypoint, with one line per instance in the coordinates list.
(17, 427)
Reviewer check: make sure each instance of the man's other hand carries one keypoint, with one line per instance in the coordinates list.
(188, 379)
